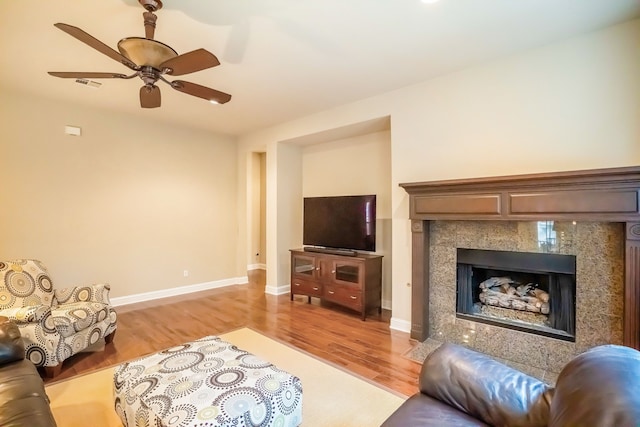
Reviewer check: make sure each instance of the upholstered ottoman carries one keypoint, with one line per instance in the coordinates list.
(207, 382)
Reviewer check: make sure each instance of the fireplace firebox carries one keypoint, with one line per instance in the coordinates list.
(529, 292)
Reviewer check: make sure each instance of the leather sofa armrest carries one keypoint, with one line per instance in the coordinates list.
(600, 387)
(98, 292)
(485, 388)
(11, 345)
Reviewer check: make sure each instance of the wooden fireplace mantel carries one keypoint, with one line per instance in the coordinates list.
(606, 195)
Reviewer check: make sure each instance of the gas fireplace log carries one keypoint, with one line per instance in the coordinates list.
(541, 295)
(524, 306)
(523, 290)
(493, 282)
(524, 303)
(545, 308)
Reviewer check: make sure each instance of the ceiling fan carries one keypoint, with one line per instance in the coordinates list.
(150, 60)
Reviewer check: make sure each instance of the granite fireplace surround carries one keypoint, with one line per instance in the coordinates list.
(597, 215)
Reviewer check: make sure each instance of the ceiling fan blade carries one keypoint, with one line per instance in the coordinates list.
(149, 96)
(203, 92)
(190, 62)
(87, 75)
(96, 44)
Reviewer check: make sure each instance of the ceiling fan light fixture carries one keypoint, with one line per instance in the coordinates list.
(214, 102)
(146, 52)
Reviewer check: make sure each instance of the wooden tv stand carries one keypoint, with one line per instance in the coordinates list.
(353, 281)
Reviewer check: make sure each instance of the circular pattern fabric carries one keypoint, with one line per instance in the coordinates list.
(83, 294)
(202, 397)
(7, 299)
(182, 388)
(181, 361)
(288, 401)
(36, 355)
(235, 403)
(19, 283)
(259, 414)
(181, 415)
(159, 405)
(207, 413)
(212, 348)
(77, 344)
(48, 324)
(209, 364)
(94, 335)
(227, 378)
(269, 385)
(64, 351)
(131, 371)
(44, 283)
(145, 385)
(250, 361)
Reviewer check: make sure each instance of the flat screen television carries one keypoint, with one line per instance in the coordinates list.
(340, 222)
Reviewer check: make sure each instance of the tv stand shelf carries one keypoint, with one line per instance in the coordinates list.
(353, 280)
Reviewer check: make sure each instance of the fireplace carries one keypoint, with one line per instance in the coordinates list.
(601, 210)
(528, 292)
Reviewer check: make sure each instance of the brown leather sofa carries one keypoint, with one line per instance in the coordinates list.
(23, 401)
(461, 387)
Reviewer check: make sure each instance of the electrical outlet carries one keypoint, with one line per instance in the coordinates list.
(185, 273)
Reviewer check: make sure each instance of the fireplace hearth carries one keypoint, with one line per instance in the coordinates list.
(528, 292)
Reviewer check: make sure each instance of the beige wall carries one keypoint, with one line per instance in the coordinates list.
(262, 258)
(130, 202)
(566, 106)
(256, 207)
(350, 166)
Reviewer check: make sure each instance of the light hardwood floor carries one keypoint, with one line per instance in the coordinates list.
(369, 349)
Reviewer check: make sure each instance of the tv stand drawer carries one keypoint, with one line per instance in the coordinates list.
(343, 295)
(304, 287)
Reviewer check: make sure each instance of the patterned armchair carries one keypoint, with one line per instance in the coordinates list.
(54, 324)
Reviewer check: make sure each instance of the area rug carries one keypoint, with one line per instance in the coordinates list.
(331, 397)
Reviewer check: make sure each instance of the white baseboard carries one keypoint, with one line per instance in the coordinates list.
(181, 290)
(277, 290)
(256, 267)
(400, 325)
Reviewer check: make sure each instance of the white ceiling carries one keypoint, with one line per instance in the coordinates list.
(281, 59)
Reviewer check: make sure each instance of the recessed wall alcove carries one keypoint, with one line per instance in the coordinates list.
(596, 216)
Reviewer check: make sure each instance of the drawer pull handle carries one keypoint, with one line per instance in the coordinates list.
(333, 272)
(296, 284)
(315, 289)
(318, 268)
(331, 292)
(352, 297)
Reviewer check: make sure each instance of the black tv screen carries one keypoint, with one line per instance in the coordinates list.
(342, 222)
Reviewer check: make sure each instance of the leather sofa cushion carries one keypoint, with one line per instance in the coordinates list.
(11, 345)
(422, 410)
(23, 401)
(600, 387)
(485, 388)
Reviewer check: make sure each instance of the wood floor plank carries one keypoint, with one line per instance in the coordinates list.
(367, 348)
